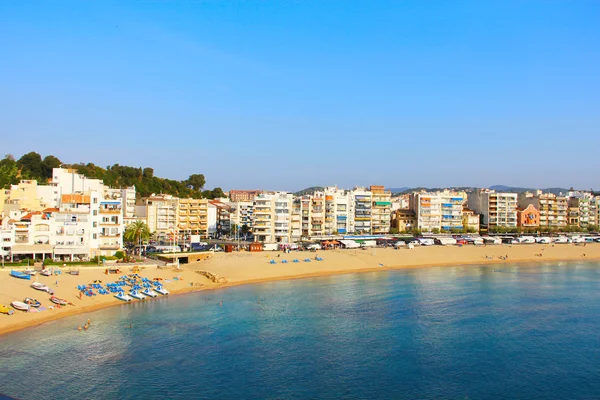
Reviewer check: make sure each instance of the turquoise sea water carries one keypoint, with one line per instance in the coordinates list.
(493, 332)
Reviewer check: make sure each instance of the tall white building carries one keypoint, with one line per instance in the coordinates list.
(497, 209)
(442, 211)
(272, 213)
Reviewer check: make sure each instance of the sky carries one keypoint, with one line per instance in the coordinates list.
(283, 95)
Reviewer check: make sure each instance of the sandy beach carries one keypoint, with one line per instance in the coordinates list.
(243, 268)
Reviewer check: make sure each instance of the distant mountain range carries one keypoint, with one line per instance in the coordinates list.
(406, 189)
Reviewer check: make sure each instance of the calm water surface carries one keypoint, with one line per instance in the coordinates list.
(495, 332)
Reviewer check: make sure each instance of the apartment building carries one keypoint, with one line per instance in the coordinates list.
(337, 209)
(552, 208)
(441, 211)
(496, 208)
(272, 217)
(192, 217)
(241, 213)
(380, 210)
(160, 212)
(245, 196)
(579, 211)
(361, 200)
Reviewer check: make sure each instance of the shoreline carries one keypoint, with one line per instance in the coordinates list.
(258, 260)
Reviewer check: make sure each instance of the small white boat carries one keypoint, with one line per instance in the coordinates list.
(19, 305)
(123, 296)
(42, 287)
(46, 272)
(161, 290)
(137, 295)
(29, 272)
(149, 292)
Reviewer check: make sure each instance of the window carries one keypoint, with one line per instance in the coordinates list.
(95, 200)
(94, 236)
(73, 218)
(95, 212)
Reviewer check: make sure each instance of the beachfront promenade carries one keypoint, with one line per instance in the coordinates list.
(244, 267)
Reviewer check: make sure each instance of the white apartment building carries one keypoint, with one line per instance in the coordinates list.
(496, 208)
(242, 213)
(337, 209)
(442, 211)
(272, 217)
(160, 212)
(360, 210)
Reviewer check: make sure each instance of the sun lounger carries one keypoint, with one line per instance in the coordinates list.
(284, 261)
(307, 260)
(272, 262)
(295, 260)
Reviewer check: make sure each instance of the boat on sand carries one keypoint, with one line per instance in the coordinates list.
(19, 305)
(19, 274)
(6, 310)
(42, 287)
(32, 302)
(60, 302)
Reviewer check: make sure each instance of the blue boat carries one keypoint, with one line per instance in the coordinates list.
(20, 275)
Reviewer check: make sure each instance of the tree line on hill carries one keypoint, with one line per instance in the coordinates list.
(33, 166)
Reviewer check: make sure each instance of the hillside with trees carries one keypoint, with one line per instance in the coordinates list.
(33, 166)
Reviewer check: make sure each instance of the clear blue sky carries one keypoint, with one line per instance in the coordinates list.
(290, 94)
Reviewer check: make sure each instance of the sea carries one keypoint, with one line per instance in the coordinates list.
(507, 331)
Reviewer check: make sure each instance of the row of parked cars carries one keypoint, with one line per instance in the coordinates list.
(447, 241)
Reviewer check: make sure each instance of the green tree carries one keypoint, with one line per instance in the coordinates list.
(394, 231)
(8, 171)
(435, 231)
(218, 192)
(136, 232)
(245, 229)
(48, 164)
(196, 181)
(31, 166)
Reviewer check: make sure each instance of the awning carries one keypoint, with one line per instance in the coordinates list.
(71, 250)
(31, 249)
(110, 202)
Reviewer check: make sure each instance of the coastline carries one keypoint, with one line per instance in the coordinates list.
(254, 268)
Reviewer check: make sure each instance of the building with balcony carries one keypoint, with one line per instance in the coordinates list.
(552, 208)
(381, 208)
(272, 213)
(361, 206)
(160, 212)
(497, 209)
(440, 211)
(192, 217)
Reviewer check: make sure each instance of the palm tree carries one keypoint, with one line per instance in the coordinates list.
(136, 232)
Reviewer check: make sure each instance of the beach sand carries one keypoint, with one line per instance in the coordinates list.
(243, 267)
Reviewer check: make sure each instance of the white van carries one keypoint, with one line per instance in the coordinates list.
(168, 249)
(543, 240)
(426, 241)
